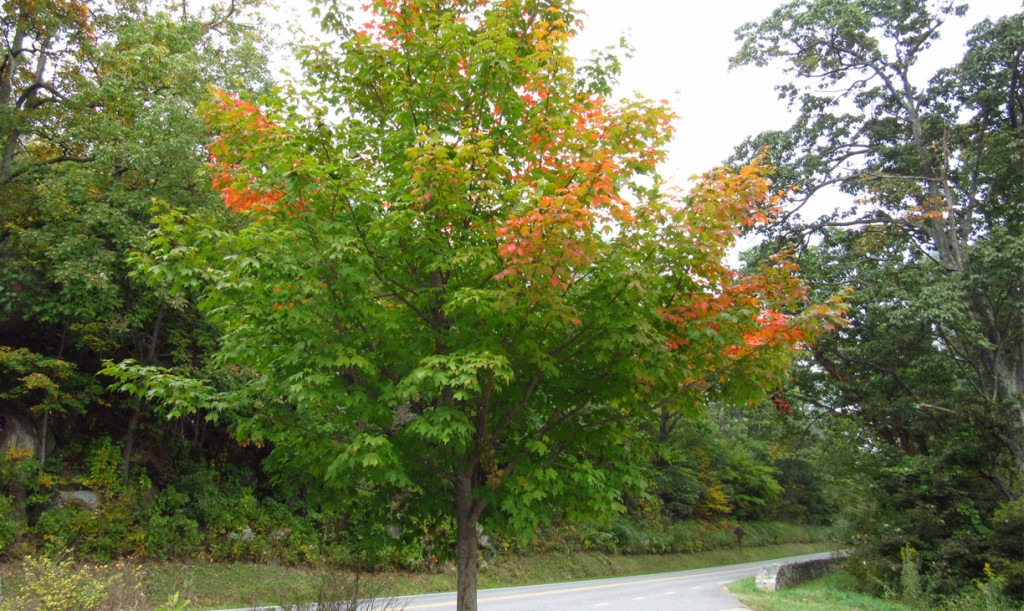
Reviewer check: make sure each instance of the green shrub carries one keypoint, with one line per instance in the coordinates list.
(54, 530)
(693, 537)
(253, 530)
(1006, 557)
(62, 585)
(20, 482)
(10, 526)
(689, 537)
(641, 537)
(174, 603)
(956, 523)
(632, 535)
(116, 528)
(911, 589)
(983, 595)
(172, 537)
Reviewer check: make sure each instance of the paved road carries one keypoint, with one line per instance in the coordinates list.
(698, 590)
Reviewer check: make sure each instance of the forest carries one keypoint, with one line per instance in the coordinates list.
(434, 299)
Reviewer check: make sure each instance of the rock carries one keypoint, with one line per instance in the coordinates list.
(18, 436)
(246, 534)
(85, 498)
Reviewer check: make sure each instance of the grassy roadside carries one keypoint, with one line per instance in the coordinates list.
(830, 593)
(212, 586)
(839, 592)
(230, 585)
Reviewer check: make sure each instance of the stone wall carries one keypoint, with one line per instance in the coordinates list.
(777, 576)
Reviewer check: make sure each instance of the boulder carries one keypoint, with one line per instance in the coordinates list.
(18, 436)
(85, 498)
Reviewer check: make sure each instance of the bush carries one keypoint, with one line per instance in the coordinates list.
(20, 481)
(172, 537)
(10, 526)
(631, 535)
(987, 595)
(955, 521)
(911, 589)
(1007, 553)
(641, 537)
(115, 528)
(246, 528)
(205, 513)
(61, 584)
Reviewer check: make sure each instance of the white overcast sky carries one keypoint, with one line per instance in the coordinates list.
(682, 51)
(682, 54)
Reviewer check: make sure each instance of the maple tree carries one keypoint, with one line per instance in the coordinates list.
(464, 283)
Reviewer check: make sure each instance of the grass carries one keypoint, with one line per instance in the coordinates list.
(213, 586)
(547, 568)
(830, 593)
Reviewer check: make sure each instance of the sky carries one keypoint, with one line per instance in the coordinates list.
(682, 52)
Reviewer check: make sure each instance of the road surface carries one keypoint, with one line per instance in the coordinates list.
(697, 590)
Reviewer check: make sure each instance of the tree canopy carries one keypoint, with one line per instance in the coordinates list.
(97, 120)
(931, 370)
(463, 282)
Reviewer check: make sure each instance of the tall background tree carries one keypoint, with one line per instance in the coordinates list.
(98, 123)
(926, 384)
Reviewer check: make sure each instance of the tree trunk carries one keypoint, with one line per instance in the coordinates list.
(42, 437)
(46, 414)
(129, 441)
(467, 515)
(133, 422)
(9, 72)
